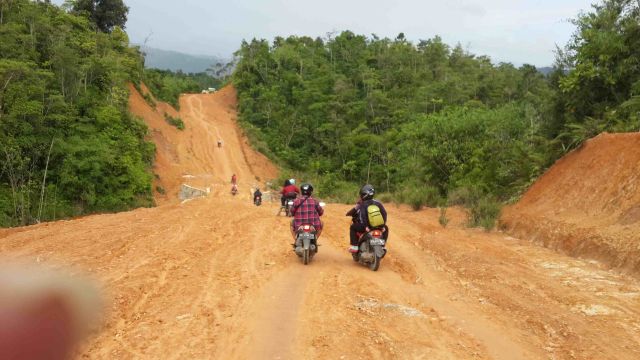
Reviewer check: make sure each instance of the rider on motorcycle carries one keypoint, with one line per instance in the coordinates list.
(289, 192)
(256, 194)
(306, 211)
(361, 219)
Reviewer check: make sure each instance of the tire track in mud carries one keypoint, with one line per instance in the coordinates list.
(499, 343)
(276, 323)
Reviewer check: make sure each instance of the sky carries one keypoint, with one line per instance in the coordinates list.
(513, 31)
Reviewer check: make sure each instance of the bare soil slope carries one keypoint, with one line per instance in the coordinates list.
(191, 156)
(215, 278)
(588, 203)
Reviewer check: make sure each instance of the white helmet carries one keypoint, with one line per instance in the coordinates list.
(292, 181)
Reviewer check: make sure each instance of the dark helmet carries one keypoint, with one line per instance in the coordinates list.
(306, 189)
(367, 192)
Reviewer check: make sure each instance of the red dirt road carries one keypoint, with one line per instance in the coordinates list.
(216, 278)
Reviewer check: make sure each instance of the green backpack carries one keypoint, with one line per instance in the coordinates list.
(375, 216)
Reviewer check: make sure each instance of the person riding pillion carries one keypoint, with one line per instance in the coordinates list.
(306, 211)
(368, 214)
(289, 191)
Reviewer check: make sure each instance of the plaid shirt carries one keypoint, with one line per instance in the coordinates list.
(306, 210)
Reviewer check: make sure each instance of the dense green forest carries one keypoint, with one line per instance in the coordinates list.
(167, 85)
(68, 144)
(428, 122)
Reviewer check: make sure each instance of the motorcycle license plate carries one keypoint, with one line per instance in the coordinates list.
(376, 241)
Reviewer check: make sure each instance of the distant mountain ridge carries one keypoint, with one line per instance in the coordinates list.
(546, 70)
(175, 60)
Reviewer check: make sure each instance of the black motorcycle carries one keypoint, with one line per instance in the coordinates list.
(306, 243)
(257, 201)
(371, 249)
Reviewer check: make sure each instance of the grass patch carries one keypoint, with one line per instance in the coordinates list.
(484, 209)
(485, 212)
(149, 100)
(175, 121)
(419, 196)
(443, 219)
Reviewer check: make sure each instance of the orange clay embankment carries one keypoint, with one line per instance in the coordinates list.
(587, 204)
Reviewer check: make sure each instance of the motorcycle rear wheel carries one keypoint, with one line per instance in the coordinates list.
(305, 256)
(375, 264)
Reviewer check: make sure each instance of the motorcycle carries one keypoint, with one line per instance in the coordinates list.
(234, 190)
(371, 249)
(257, 201)
(289, 208)
(306, 243)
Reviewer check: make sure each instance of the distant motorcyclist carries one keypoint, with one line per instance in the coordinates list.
(360, 214)
(219, 143)
(234, 179)
(289, 192)
(256, 194)
(306, 211)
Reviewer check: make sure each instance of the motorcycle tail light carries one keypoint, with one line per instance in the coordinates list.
(306, 228)
(376, 233)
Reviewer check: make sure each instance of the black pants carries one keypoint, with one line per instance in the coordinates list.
(283, 199)
(360, 228)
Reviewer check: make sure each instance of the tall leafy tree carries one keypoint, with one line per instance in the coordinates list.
(105, 14)
(599, 73)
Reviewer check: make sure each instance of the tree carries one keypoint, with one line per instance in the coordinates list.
(106, 14)
(602, 59)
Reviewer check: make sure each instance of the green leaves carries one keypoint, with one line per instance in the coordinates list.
(604, 53)
(61, 80)
(419, 121)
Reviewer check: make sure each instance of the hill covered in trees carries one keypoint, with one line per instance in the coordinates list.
(420, 121)
(426, 122)
(68, 144)
(176, 61)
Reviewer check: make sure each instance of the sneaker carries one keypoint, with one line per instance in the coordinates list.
(353, 249)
